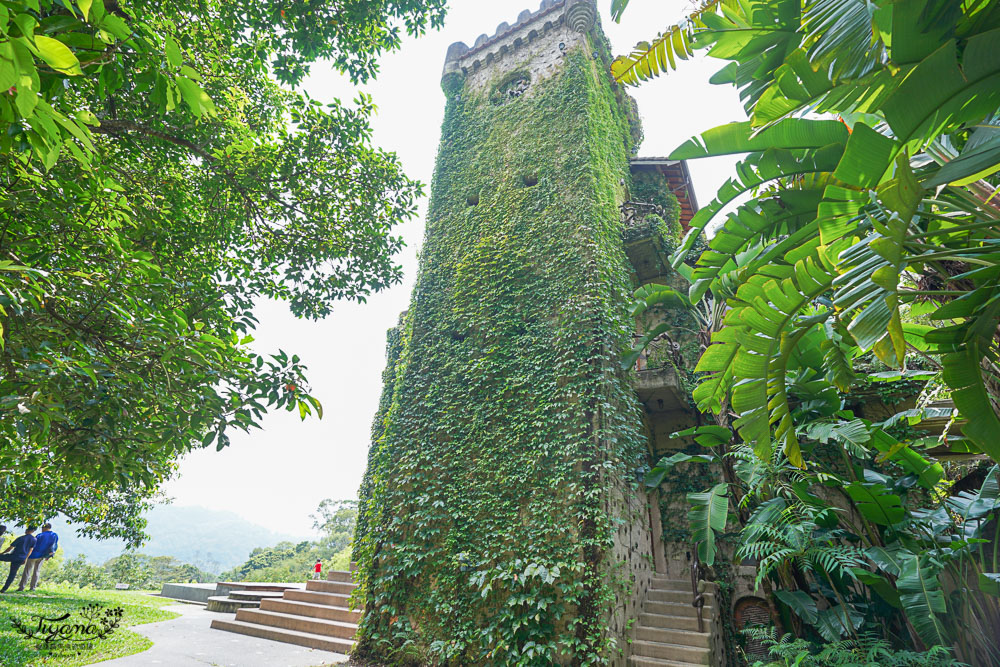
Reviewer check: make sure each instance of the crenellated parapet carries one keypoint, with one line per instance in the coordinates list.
(537, 40)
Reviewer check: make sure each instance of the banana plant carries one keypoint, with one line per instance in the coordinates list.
(857, 216)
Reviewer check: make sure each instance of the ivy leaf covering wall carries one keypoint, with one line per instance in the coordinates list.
(489, 508)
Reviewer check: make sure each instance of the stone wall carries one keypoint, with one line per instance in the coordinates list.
(537, 43)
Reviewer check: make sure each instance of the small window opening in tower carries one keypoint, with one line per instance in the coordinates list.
(531, 180)
(659, 403)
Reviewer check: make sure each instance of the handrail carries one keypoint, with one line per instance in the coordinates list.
(698, 596)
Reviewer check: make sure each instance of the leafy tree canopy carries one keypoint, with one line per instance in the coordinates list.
(159, 173)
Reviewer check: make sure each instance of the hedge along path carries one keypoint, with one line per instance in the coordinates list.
(507, 426)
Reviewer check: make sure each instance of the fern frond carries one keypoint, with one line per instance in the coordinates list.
(650, 59)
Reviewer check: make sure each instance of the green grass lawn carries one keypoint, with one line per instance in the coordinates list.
(16, 650)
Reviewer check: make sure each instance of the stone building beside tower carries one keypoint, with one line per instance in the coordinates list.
(503, 516)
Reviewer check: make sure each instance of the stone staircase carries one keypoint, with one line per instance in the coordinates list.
(317, 617)
(667, 634)
(239, 599)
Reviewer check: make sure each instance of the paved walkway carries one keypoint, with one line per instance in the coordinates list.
(189, 642)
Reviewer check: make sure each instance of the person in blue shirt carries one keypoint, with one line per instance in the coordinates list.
(45, 545)
(17, 553)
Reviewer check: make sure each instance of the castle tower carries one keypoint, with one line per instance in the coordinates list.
(502, 513)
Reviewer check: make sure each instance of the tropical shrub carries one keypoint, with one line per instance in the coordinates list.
(870, 158)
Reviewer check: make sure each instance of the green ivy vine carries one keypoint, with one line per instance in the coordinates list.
(507, 429)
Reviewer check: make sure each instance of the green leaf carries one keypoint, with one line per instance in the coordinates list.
(195, 97)
(707, 516)
(866, 158)
(116, 26)
(963, 374)
(801, 603)
(173, 52)
(58, 56)
(876, 503)
(832, 623)
(923, 600)
(660, 471)
(707, 436)
(969, 166)
(84, 6)
(742, 138)
(989, 583)
(929, 473)
(938, 94)
(880, 585)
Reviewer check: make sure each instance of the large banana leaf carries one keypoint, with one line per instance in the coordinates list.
(798, 86)
(876, 503)
(717, 363)
(872, 267)
(801, 603)
(929, 473)
(754, 171)
(832, 623)
(743, 138)
(939, 94)
(972, 165)
(790, 213)
(707, 516)
(923, 600)
(963, 373)
(843, 37)
(768, 308)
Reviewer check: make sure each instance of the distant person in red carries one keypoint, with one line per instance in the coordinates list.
(17, 553)
(318, 570)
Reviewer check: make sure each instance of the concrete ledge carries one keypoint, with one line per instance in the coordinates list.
(197, 593)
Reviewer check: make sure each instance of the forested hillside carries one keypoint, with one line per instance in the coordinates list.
(209, 539)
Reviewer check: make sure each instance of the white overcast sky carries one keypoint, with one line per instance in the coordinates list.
(277, 476)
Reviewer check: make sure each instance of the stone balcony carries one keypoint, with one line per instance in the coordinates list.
(659, 389)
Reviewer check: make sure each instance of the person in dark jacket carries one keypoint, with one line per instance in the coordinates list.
(45, 546)
(17, 553)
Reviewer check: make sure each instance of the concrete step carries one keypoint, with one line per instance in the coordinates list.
(675, 609)
(314, 626)
(226, 605)
(306, 639)
(644, 661)
(662, 583)
(670, 636)
(338, 587)
(255, 596)
(677, 652)
(258, 586)
(329, 599)
(667, 622)
(682, 597)
(310, 609)
(339, 575)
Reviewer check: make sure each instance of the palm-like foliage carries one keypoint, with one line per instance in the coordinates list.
(872, 153)
(857, 216)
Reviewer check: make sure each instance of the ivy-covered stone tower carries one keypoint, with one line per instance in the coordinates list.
(502, 519)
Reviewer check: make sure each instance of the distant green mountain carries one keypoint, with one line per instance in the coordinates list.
(209, 539)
